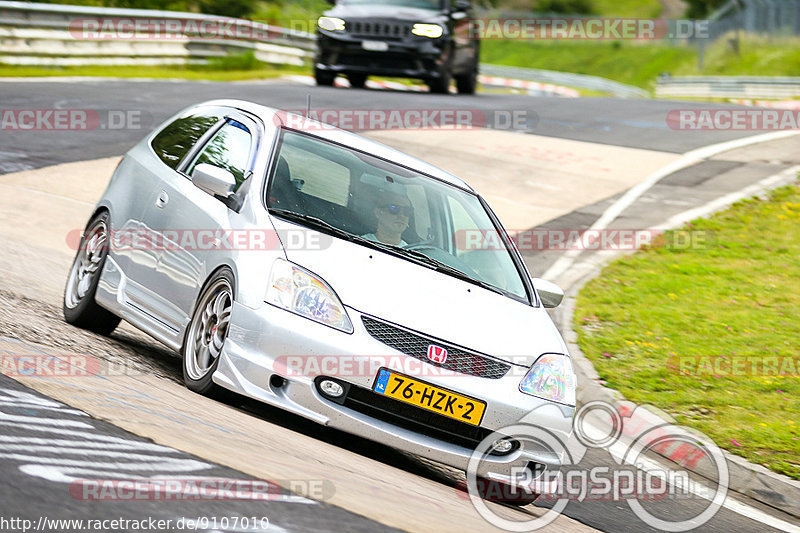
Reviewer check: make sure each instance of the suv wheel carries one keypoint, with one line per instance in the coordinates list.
(441, 85)
(468, 82)
(323, 77)
(357, 81)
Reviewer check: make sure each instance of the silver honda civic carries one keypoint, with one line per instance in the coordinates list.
(331, 276)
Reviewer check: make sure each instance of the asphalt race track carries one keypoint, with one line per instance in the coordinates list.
(45, 445)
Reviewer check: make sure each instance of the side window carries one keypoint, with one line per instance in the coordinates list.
(229, 148)
(175, 140)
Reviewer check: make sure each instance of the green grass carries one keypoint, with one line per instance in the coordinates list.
(627, 8)
(632, 64)
(737, 296)
(640, 64)
(209, 73)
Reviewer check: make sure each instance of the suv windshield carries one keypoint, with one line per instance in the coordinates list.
(422, 4)
(371, 201)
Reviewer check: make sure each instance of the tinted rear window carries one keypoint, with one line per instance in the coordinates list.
(175, 140)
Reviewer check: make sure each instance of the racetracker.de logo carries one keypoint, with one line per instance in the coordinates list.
(111, 28)
(736, 119)
(588, 28)
(71, 119)
(406, 119)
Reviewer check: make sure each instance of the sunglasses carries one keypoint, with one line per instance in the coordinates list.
(406, 210)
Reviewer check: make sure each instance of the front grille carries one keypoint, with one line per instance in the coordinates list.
(414, 419)
(458, 359)
(378, 60)
(379, 29)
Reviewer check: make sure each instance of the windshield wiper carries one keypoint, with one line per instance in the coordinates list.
(320, 225)
(412, 255)
(314, 222)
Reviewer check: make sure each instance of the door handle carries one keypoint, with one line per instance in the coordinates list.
(162, 199)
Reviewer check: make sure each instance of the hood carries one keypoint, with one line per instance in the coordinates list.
(418, 298)
(383, 12)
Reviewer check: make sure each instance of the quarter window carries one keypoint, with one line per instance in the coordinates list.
(175, 140)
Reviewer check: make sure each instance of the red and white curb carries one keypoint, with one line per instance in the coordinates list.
(782, 104)
(493, 81)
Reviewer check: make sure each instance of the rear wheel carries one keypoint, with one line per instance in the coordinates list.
(80, 308)
(323, 77)
(207, 332)
(357, 80)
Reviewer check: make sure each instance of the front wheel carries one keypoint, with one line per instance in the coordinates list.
(80, 308)
(357, 81)
(441, 84)
(323, 77)
(207, 332)
(468, 82)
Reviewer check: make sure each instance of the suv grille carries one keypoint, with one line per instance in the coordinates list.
(458, 360)
(380, 29)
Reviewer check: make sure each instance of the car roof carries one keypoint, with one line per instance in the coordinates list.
(343, 137)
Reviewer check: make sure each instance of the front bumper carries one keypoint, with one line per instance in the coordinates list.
(262, 341)
(408, 58)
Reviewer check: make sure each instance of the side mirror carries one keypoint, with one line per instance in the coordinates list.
(213, 180)
(462, 5)
(550, 293)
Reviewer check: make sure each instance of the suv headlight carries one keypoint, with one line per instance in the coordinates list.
(551, 377)
(297, 290)
(434, 31)
(331, 23)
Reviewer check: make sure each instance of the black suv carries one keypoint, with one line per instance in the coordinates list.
(426, 39)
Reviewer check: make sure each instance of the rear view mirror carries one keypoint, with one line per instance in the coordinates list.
(213, 180)
(550, 293)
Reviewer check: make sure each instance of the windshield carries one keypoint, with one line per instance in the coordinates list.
(421, 4)
(352, 194)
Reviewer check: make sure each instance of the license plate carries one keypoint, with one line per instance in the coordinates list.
(429, 397)
(375, 46)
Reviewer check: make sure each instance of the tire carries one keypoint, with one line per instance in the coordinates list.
(80, 308)
(441, 85)
(205, 336)
(357, 81)
(324, 78)
(467, 83)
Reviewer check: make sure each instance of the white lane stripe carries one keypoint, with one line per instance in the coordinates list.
(631, 195)
(164, 463)
(55, 422)
(128, 445)
(618, 451)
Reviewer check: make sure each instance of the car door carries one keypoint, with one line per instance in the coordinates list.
(193, 224)
(154, 164)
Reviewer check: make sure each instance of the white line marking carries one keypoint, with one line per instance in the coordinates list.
(618, 449)
(631, 195)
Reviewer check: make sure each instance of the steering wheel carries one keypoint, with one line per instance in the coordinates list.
(422, 245)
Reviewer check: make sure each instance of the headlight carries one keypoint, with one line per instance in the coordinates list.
(433, 31)
(551, 377)
(297, 290)
(330, 23)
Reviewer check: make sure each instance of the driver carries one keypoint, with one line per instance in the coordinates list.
(393, 212)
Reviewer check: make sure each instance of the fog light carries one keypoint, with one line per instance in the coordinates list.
(502, 446)
(331, 388)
